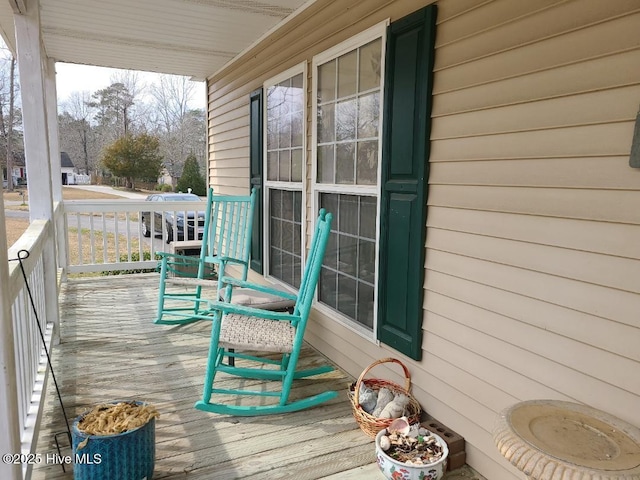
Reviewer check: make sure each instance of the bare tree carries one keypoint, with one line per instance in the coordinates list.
(139, 111)
(77, 137)
(113, 105)
(12, 77)
(131, 80)
(176, 123)
(10, 116)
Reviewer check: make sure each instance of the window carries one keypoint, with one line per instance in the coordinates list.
(283, 156)
(348, 274)
(348, 117)
(372, 176)
(347, 146)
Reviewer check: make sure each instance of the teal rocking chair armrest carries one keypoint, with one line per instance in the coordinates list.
(170, 260)
(165, 256)
(232, 260)
(252, 312)
(224, 260)
(175, 265)
(224, 280)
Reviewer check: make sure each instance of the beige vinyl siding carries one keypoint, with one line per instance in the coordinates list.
(532, 281)
(229, 147)
(532, 274)
(570, 110)
(585, 172)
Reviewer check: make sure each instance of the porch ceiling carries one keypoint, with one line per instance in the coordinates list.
(185, 37)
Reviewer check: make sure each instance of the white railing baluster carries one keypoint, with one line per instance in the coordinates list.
(116, 229)
(140, 250)
(92, 239)
(104, 239)
(79, 238)
(128, 230)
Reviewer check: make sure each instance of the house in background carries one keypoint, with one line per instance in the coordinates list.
(475, 155)
(68, 169)
(166, 179)
(19, 170)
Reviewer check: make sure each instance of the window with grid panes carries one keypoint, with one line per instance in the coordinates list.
(348, 130)
(284, 131)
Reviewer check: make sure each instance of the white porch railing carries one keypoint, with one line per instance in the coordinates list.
(90, 236)
(31, 360)
(107, 235)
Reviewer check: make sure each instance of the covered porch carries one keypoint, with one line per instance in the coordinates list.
(111, 350)
(196, 39)
(530, 284)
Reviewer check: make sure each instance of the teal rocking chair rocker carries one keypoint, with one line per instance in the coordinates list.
(226, 240)
(237, 328)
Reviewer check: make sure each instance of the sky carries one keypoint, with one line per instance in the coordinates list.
(77, 78)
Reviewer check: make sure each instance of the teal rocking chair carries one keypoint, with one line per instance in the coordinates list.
(226, 240)
(238, 328)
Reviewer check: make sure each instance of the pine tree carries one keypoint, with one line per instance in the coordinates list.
(192, 178)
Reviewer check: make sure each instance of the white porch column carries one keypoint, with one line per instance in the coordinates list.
(52, 124)
(9, 431)
(31, 62)
(56, 167)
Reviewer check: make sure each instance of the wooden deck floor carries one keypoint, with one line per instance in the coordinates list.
(111, 350)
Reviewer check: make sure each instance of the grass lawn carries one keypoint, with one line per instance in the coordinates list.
(15, 227)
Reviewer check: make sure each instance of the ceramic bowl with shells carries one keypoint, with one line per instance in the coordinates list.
(410, 452)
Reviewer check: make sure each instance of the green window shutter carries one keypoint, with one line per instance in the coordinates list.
(405, 169)
(255, 175)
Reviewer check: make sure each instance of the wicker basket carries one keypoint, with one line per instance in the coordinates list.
(123, 456)
(368, 423)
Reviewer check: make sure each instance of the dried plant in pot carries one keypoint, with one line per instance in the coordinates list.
(410, 452)
(114, 441)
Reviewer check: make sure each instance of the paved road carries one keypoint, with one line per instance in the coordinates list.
(92, 188)
(110, 190)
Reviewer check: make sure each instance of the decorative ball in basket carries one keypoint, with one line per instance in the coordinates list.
(115, 441)
(368, 395)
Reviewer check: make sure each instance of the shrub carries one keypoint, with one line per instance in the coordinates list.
(163, 187)
(134, 157)
(135, 257)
